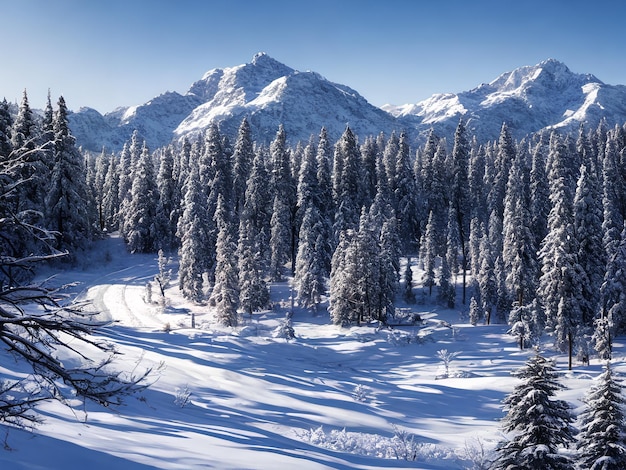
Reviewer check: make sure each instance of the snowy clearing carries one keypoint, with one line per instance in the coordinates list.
(336, 398)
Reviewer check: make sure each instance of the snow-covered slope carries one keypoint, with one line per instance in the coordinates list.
(528, 99)
(270, 93)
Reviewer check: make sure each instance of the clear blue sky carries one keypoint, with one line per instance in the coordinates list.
(111, 53)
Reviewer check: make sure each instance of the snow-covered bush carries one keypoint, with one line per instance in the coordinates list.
(446, 358)
(360, 393)
(183, 395)
(285, 329)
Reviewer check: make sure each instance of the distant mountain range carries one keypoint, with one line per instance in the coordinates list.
(269, 93)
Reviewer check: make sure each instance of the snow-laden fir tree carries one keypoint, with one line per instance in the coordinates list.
(325, 195)
(561, 281)
(283, 186)
(519, 252)
(66, 201)
(346, 182)
(242, 164)
(280, 238)
(309, 279)
(369, 161)
(225, 294)
(253, 290)
(166, 210)
(6, 123)
(429, 248)
(613, 290)
(405, 197)
(602, 440)
(129, 157)
(539, 426)
(588, 229)
(539, 193)
(258, 206)
(343, 299)
(613, 219)
(195, 253)
(140, 223)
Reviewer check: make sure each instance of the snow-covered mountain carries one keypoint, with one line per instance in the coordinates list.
(269, 93)
(528, 99)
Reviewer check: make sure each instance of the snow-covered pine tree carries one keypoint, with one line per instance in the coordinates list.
(66, 201)
(344, 306)
(429, 247)
(613, 290)
(167, 208)
(405, 197)
(110, 196)
(588, 230)
(325, 195)
(131, 152)
(309, 279)
(253, 290)
(613, 220)
(6, 123)
(540, 426)
(560, 285)
(258, 206)
(460, 198)
(140, 224)
(225, 294)
(369, 160)
(195, 253)
(601, 442)
(283, 185)
(279, 238)
(346, 183)
(539, 193)
(519, 252)
(243, 157)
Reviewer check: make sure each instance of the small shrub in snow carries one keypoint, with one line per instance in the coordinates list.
(477, 455)
(446, 358)
(285, 329)
(403, 445)
(148, 293)
(360, 393)
(183, 395)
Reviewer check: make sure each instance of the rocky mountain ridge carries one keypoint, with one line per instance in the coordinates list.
(269, 93)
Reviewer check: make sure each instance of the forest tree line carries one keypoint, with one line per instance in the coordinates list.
(534, 228)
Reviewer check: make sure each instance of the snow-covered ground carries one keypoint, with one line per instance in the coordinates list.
(243, 398)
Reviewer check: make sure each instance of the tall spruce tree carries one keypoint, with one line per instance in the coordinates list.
(141, 223)
(66, 201)
(225, 294)
(601, 442)
(195, 253)
(540, 426)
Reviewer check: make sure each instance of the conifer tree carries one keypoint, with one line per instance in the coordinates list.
(344, 306)
(561, 280)
(539, 425)
(6, 123)
(284, 186)
(66, 201)
(601, 442)
(519, 250)
(140, 224)
(460, 196)
(346, 182)
(613, 290)
(243, 157)
(258, 206)
(311, 272)
(405, 196)
(166, 210)
(539, 194)
(325, 196)
(253, 291)
(430, 255)
(588, 229)
(225, 294)
(195, 252)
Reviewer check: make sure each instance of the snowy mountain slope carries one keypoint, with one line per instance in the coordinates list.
(528, 99)
(269, 93)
